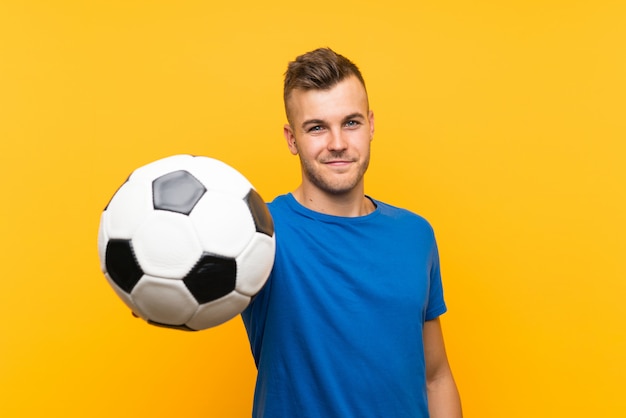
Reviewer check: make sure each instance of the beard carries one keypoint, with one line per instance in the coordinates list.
(334, 183)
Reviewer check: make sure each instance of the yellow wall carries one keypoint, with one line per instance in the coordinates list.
(502, 122)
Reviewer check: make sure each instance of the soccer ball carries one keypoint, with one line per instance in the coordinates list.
(186, 242)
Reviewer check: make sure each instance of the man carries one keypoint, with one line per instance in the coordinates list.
(347, 324)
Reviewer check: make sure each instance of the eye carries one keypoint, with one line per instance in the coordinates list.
(316, 128)
(352, 123)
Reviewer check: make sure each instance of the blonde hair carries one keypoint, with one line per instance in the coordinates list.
(320, 69)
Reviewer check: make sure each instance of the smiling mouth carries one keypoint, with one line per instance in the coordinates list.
(339, 165)
(338, 162)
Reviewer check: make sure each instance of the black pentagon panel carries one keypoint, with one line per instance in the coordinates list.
(178, 191)
(211, 278)
(122, 265)
(179, 327)
(260, 213)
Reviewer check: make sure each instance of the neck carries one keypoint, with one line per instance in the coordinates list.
(352, 204)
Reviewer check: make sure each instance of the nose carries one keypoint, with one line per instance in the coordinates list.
(337, 140)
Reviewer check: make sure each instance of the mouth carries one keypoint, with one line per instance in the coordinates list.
(339, 165)
(338, 162)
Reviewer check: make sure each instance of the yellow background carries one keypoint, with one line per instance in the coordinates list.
(502, 122)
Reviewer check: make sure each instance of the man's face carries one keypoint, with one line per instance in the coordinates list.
(331, 131)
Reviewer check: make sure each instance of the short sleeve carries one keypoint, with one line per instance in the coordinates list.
(436, 303)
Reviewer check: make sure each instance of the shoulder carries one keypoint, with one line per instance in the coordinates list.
(280, 204)
(405, 216)
(278, 200)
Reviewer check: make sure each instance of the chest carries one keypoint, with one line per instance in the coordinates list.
(353, 271)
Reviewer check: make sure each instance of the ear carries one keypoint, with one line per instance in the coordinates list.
(370, 117)
(291, 139)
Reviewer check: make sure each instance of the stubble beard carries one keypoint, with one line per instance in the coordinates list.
(334, 184)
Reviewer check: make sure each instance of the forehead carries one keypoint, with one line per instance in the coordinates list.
(344, 98)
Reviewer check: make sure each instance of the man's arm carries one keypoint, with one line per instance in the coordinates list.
(443, 396)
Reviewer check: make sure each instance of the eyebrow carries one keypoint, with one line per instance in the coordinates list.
(355, 115)
(312, 122)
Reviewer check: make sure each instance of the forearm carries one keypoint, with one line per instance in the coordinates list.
(443, 397)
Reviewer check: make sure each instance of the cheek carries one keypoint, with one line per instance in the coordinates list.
(310, 148)
(364, 146)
